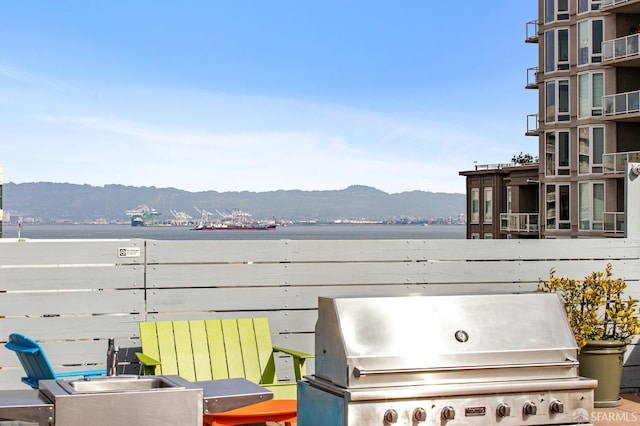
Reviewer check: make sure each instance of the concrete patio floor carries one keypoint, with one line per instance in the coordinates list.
(625, 415)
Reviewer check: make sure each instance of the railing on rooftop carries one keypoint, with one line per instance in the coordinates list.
(621, 47)
(499, 166)
(614, 222)
(532, 32)
(621, 103)
(616, 162)
(519, 222)
(532, 125)
(532, 78)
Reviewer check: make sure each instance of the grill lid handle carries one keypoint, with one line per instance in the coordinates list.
(360, 371)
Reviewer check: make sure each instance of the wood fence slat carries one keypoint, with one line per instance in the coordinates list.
(72, 278)
(120, 326)
(72, 302)
(357, 273)
(70, 252)
(160, 252)
(286, 298)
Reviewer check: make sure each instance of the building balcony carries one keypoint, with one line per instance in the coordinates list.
(532, 78)
(622, 106)
(532, 32)
(620, 6)
(519, 222)
(532, 125)
(616, 162)
(613, 222)
(622, 51)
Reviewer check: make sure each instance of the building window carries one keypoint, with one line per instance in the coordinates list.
(557, 101)
(590, 37)
(549, 11)
(590, 149)
(509, 204)
(549, 51)
(556, 10)
(588, 5)
(488, 205)
(475, 236)
(488, 236)
(556, 50)
(563, 100)
(591, 201)
(557, 200)
(550, 101)
(475, 205)
(590, 91)
(557, 153)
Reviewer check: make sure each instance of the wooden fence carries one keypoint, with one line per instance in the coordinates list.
(72, 295)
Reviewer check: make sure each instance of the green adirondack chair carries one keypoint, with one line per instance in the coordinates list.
(200, 350)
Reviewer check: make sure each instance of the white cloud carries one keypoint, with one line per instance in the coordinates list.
(250, 143)
(28, 78)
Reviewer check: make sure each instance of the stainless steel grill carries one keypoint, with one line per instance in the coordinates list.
(472, 359)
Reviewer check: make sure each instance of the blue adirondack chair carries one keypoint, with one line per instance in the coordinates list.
(35, 362)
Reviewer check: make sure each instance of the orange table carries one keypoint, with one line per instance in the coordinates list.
(273, 410)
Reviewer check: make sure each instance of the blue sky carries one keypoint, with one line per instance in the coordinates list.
(263, 95)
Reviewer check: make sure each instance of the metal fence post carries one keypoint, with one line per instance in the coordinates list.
(632, 201)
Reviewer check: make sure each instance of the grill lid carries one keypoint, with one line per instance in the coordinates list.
(391, 341)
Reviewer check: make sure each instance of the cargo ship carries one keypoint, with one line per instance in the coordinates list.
(236, 220)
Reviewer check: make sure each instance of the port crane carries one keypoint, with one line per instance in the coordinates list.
(181, 218)
(204, 215)
(142, 215)
(236, 216)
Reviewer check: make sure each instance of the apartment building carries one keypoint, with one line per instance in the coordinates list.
(502, 201)
(588, 119)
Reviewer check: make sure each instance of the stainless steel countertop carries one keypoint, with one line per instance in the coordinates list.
(228, 394)
(25, 405)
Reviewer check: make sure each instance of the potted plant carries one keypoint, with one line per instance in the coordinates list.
(603, 323)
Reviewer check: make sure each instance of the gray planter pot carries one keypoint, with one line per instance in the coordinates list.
(603, 360)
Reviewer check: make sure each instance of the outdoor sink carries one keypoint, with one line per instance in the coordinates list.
(104, 384)
(124, 400)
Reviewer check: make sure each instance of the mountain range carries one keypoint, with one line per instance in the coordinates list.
(51, 202)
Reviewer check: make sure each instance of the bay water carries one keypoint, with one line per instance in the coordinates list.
(290, 232)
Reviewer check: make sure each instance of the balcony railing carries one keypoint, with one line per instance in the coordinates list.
(621, 47)
(519, 222)
(614, 222)
(606, 3)
(617, 162)
(621, 103)
(532, 125)
(532, 32)
(532, 78)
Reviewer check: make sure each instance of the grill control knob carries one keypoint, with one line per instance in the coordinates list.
(503, 410)
(530, 408)
(391, 416)
(448, 413)
(556, 407)
(419, 415)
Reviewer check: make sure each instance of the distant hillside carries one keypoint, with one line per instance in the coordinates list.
(63, 201)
